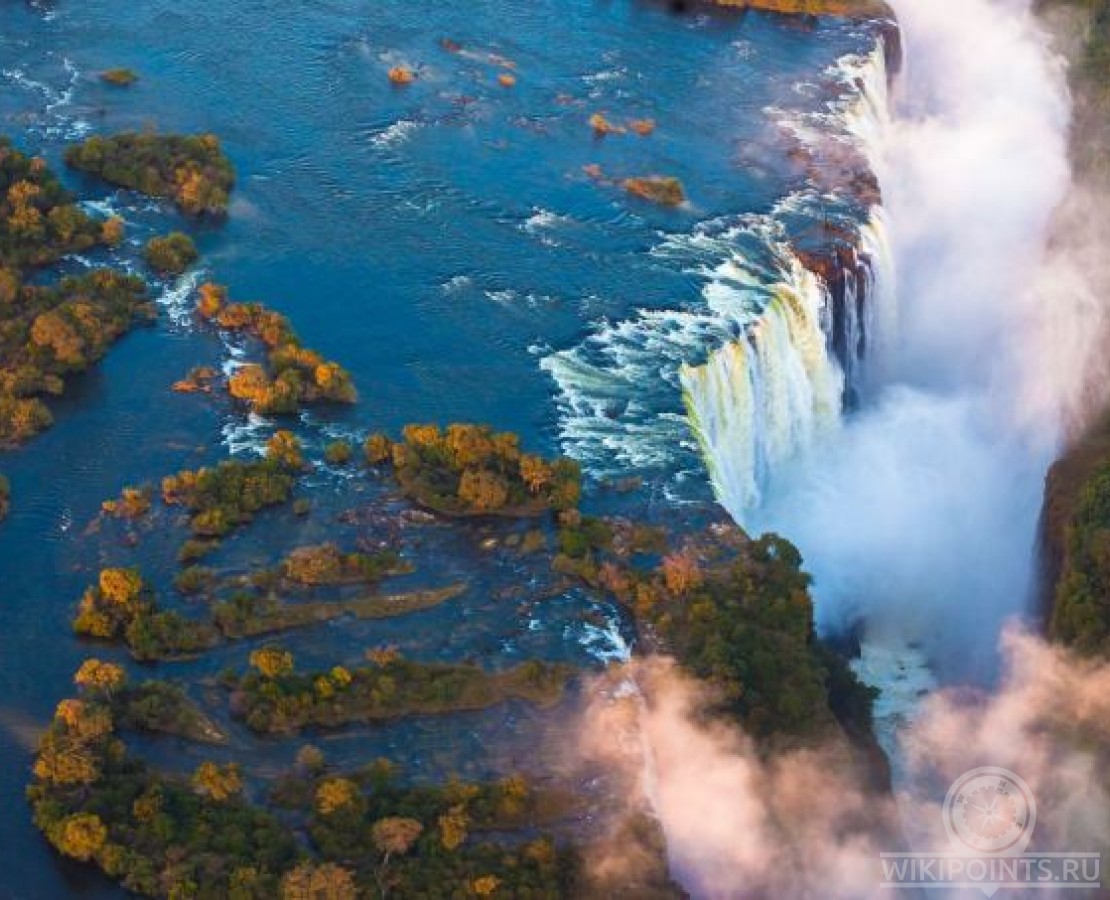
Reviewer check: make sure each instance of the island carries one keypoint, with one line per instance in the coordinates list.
(470, 470)
(119, 77)
(292, 375)
(273, 698)
(171, 254)
(48, 332)
(371, 834)
(855, 9)
(191, 170)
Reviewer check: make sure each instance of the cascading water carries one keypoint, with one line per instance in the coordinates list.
(822, 340)
(760, 400)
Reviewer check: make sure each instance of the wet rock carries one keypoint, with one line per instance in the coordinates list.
(603, 126)
(401, 75)
(664, 190)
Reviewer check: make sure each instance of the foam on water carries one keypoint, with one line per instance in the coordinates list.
(176, 298)
(57, 121)
(542, 222)
(605, 643)
(247, 435)
(394, 135)
(105, 208)
(904, 678)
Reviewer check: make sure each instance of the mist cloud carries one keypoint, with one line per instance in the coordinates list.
(809, 823)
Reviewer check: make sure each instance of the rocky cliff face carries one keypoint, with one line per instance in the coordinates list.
(1075, 522)
(1075, 545)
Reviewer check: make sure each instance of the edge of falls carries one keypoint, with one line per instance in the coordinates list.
(823, 338)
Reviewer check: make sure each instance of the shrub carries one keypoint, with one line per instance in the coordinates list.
(172, 254)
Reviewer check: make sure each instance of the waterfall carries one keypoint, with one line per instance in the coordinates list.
(881, 306)
(825, 338)
(760, 400)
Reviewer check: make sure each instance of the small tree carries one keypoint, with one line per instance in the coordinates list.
(336, 794)
(453, 827)
(309, 881)
(310, 759)
(272, 662)
(218, 783)
(486, 886)
(96, 675)
(393, 836)
(378, 449)
(682, 573)
(81, 836)
(483, 490)
(120, 586)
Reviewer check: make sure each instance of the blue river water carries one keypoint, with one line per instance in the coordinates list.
(440, 240)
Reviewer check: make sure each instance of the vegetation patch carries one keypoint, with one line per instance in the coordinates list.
(325, 564)
(170, 255)
(190, 170)
(248, 616)
(132, 503)
(119, 77)
(120, 607)
(160, 835)
(229, 494)
(157, 707)
(1077, 533)
(292, 376)
(40, 222)
(471, 470)
(49, 332)
(154, 833)
(853, 9)
(664, 190)
(734, 612)
(274, 698)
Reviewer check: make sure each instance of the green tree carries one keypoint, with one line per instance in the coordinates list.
(216, 782)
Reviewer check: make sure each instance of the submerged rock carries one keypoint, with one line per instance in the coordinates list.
(666, 191)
